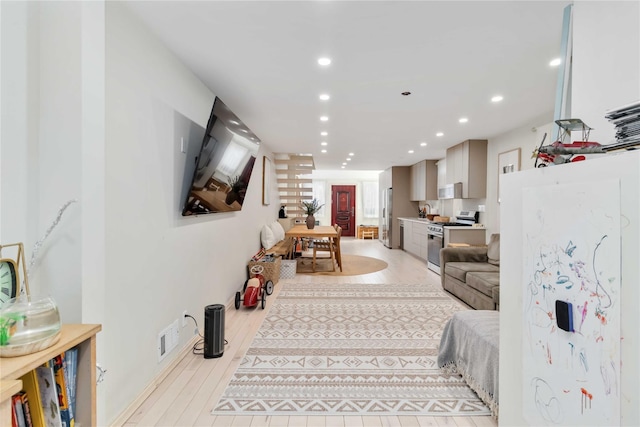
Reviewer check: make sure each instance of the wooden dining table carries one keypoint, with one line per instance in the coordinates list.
(300, 231)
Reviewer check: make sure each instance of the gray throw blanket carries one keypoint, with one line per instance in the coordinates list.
(469, 346)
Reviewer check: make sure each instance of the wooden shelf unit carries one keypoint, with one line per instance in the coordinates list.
(366, 229)
(81, 335)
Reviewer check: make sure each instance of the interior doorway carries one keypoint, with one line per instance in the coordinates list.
(343, 208)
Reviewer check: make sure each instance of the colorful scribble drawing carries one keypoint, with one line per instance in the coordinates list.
(572, 255)
(547, 403)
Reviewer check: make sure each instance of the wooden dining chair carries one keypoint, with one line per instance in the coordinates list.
(336, 245)
(327, 245)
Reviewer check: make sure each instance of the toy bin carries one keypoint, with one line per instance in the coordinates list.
(288, 269)
(271, 268)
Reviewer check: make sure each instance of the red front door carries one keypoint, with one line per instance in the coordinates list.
(343, 208)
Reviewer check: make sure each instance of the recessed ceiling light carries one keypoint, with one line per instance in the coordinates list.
(234, 122)
(323, 133)
(342, 167)
(244, 130)
(423, 144)
(344, 164)
(410, 151)
(348, 159)
(324, 97)
(497, 98)
(351, 154)
(323, 143)
(323, 151)
(439, 134)
(463, 120)
(555, 62)
(324, 61)
(324, 118)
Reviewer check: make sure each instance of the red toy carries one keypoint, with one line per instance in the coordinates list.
(254, 289)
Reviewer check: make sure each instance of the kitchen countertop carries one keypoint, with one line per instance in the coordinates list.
(416, 219)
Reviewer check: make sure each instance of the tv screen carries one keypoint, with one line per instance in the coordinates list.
(223, 164)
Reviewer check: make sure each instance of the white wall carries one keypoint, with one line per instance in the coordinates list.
(161, 262)
(606, 60)
(527, 138)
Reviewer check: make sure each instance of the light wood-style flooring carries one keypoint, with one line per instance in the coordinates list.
(190, 391)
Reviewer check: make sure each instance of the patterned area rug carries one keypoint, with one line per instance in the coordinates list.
(344, 349)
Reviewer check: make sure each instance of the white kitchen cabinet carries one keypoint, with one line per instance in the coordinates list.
(467, 163)
(415, 237)
(424, 181)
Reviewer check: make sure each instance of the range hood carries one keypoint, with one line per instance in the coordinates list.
(450, 191)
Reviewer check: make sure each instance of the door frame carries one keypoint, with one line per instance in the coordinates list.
(351, 231)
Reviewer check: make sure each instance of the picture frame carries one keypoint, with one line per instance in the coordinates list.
(508, 161)
(266, 180)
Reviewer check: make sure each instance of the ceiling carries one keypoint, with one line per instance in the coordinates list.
(261, 57)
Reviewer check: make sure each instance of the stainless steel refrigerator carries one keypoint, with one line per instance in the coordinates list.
(387, 215)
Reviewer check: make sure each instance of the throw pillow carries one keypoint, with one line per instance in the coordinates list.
(267, 238)
(278, 231)
(493, 250)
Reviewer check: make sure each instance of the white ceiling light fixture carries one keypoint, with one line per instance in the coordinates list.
(344, 164)
(423, 144)
(348, 159)
(324, 97)
(323, 151)
(351, 154)
(410, 151)
(555, 62)
(439, 134)
(324, 133)
(463, 120)
(324, 143)
(324, 61)
(324, 118)
(497, 98)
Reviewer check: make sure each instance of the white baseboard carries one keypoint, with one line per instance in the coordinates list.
(135, 404)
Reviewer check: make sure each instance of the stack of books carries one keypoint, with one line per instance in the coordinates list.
(626, 120)
(48, 398)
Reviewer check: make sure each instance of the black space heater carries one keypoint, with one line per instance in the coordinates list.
(213, 331)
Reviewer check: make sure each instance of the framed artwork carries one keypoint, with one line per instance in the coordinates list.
(508, 161)
(266, 180)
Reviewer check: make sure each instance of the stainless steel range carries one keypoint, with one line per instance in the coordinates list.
(435, 234)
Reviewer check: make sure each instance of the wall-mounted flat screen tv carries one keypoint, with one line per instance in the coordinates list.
(223, 165)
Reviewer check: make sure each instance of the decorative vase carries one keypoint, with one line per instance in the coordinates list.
(28, 324)
(311, 222)
(232, 196)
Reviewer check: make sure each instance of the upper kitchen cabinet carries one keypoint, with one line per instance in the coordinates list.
(467, 163)
(424, 181)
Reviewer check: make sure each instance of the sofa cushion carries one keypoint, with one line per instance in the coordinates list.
(267, 238)
(459, 270)
(483, 281)
(278, 231)
(493, 250)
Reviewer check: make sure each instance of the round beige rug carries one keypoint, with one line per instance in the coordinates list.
(352, 265)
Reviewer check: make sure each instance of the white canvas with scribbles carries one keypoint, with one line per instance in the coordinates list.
(571, 238)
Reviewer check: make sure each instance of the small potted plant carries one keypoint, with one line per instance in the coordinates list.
(310, 208)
